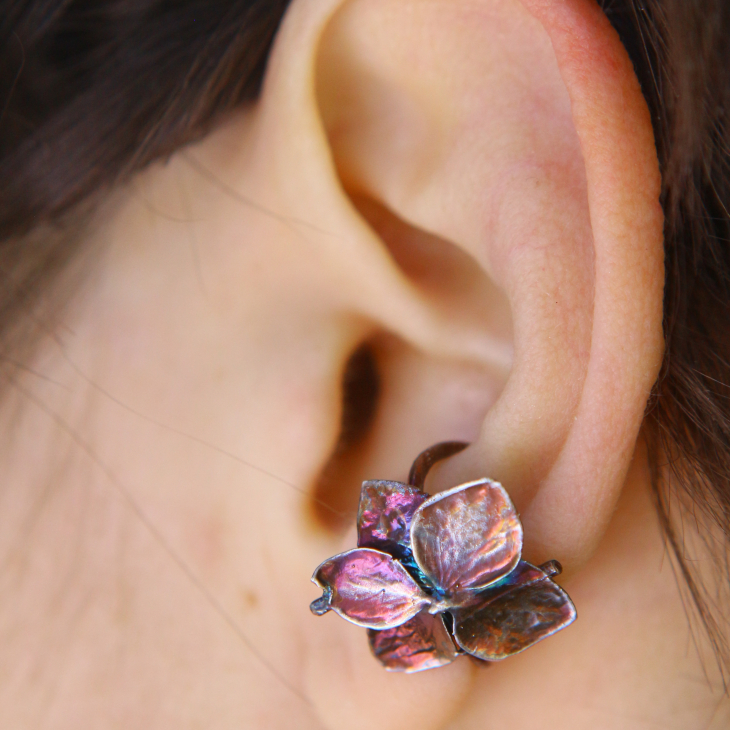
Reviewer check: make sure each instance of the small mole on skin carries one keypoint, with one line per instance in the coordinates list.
(249, 599)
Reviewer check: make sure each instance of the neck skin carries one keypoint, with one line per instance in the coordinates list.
(155, 555)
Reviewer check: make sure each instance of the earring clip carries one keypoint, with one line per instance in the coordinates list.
(434, 577)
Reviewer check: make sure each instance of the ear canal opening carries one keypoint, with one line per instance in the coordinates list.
(337, 487)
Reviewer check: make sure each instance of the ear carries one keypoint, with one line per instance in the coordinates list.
(517, 131)
(477, 183)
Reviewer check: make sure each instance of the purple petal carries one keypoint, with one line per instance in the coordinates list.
(524, 609)
(369, 589)
(421, 643)
(467, 538)
(385, 514)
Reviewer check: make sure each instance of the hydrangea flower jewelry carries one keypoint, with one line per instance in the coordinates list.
(435, 577)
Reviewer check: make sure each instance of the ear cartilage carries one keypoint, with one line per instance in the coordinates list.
(434, 577)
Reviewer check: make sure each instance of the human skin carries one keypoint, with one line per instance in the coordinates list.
(162, 445)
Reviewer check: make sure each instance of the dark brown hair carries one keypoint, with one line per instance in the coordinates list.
(91, 91)
(681, 52)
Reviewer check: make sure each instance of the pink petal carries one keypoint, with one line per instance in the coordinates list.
(467, 538)
(370, 589)
(421, 643)
(385, 514)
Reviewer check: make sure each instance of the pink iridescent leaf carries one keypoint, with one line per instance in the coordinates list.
(368, 588)
(385, 514)
(466, 538)
(421, 643)
(515, 614)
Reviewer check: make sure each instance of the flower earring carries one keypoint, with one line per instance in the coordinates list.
(435, 577)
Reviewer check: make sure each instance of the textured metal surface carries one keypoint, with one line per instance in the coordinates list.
(421, 643)
(385, 514)
(466, 538)
(519, 611)
(368, 588)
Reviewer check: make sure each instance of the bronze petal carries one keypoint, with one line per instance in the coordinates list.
(522, 610)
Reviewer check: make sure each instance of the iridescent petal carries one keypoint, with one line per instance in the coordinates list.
(516, 613)
(421, 643)
(385, 514)
(466, 538)
(368, 588)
